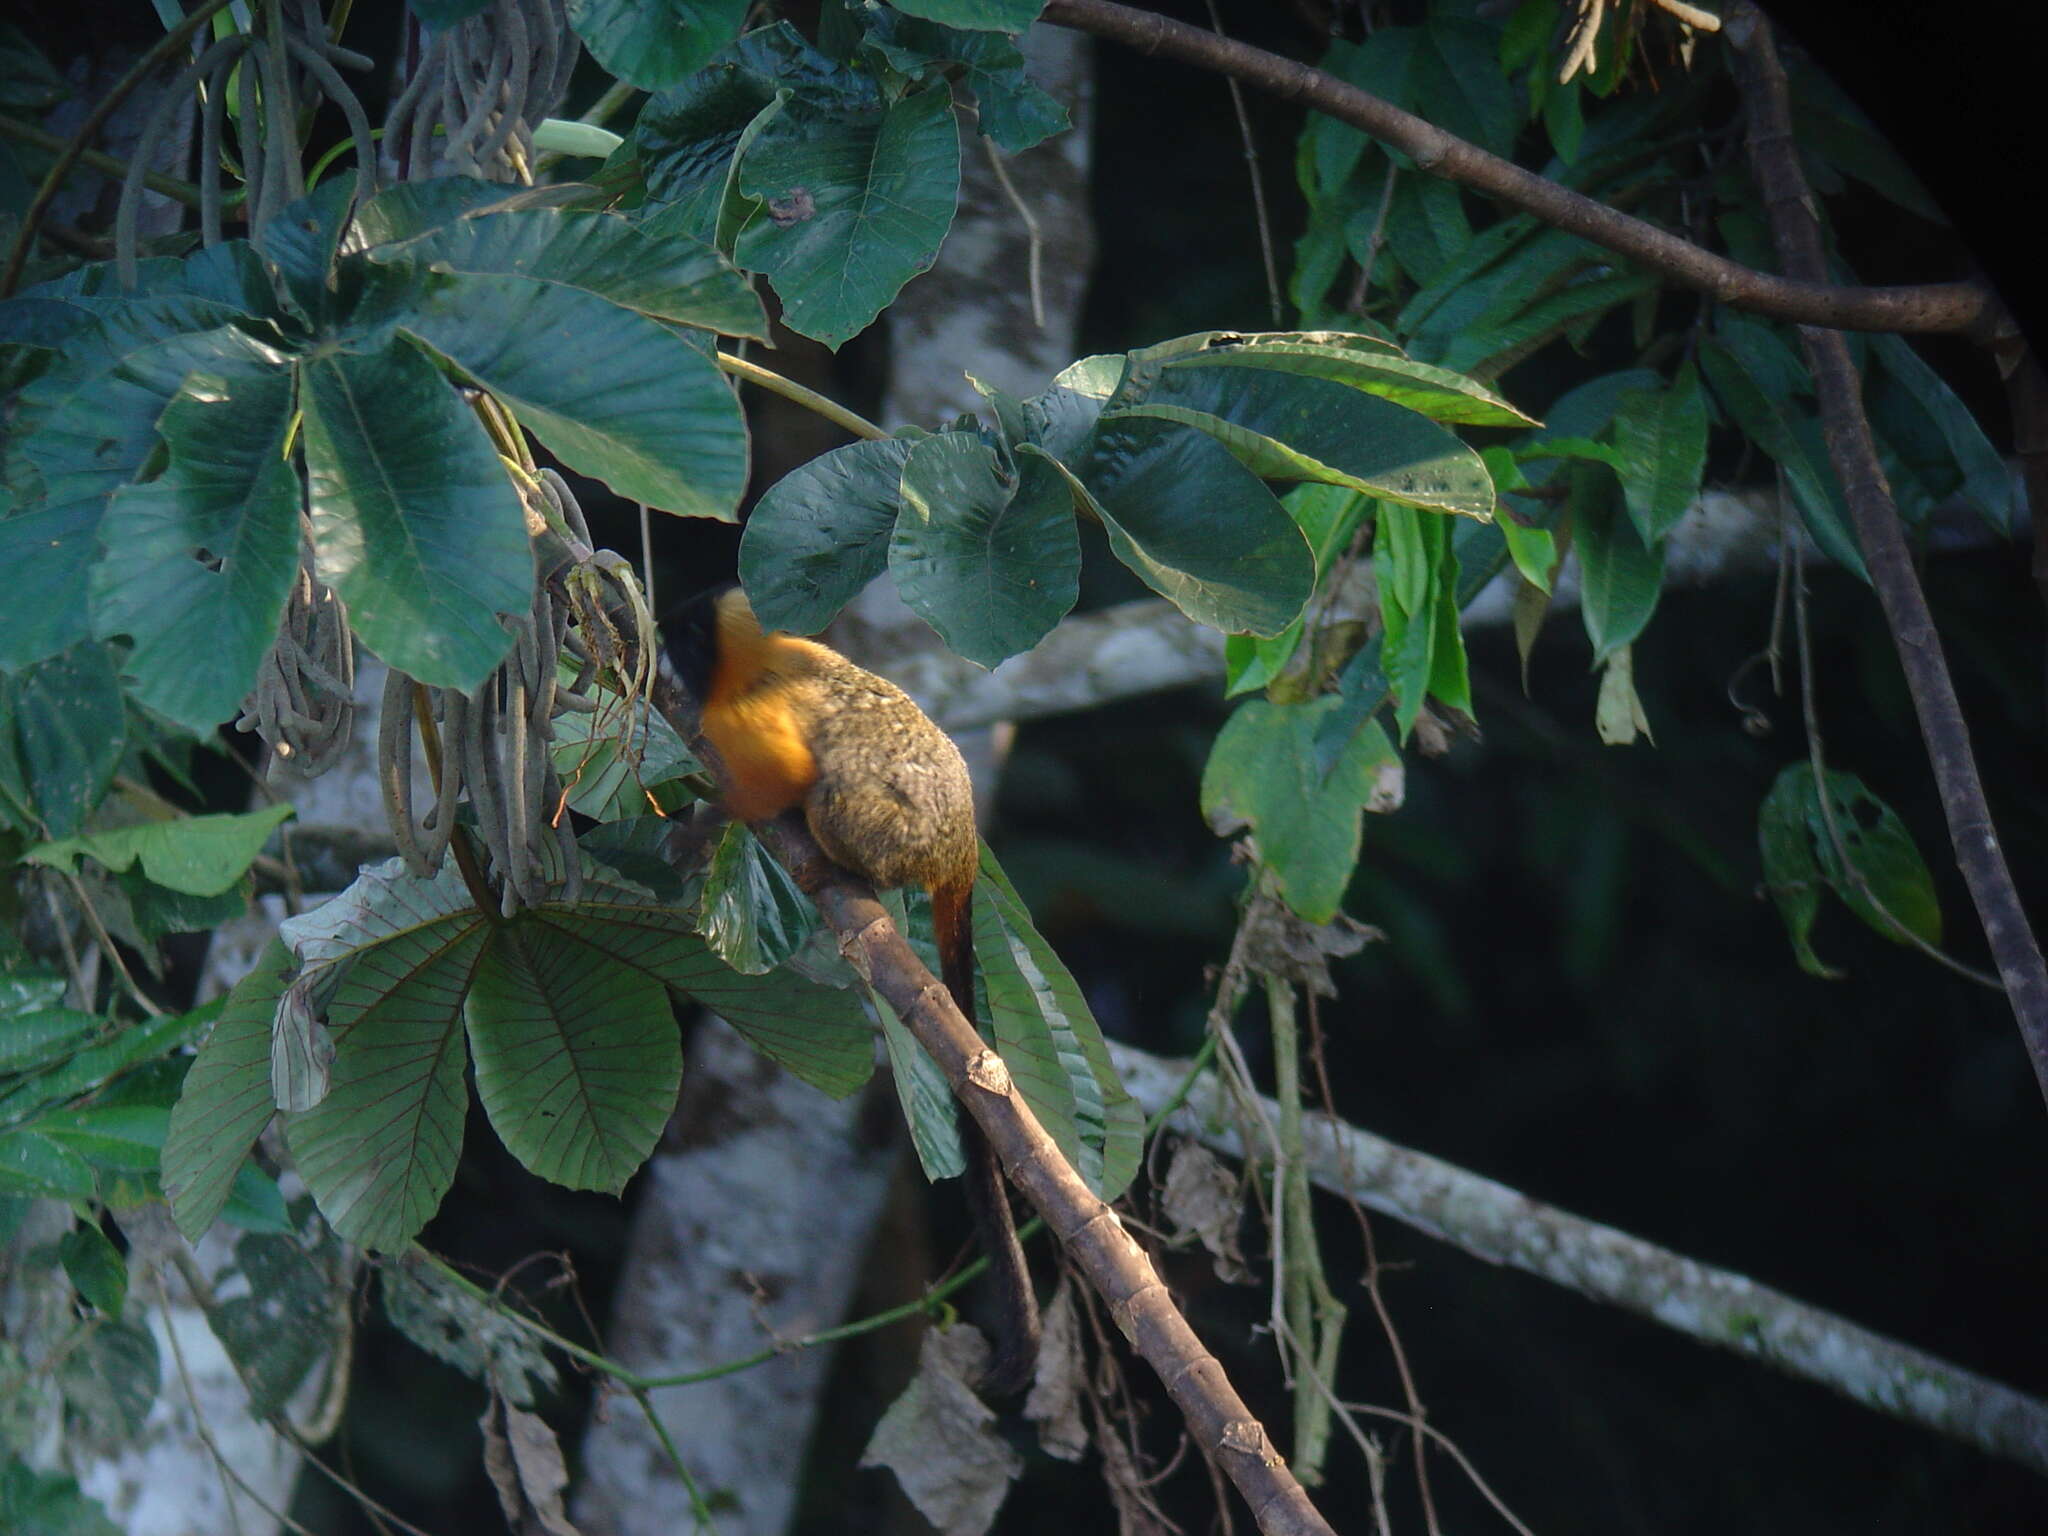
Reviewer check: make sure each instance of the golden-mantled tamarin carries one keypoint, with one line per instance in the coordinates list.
(794, 725)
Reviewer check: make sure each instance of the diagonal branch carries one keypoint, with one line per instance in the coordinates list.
(1504, 1226)
(1853, 453)
(1091, 1233)
(1812, 300)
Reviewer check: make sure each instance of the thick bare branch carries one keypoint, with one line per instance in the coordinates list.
(1093, 1236)
(1853, 453)
(1504, 1226)
(1968, 306)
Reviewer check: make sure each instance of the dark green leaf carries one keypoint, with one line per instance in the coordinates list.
(821, 533)
(36, 1166)
(28, 81)
(1051, 1042)
(855, 204)
(655, 45)
(110, 1382)
(379, 1150)
(35, 1037)
(927, 1101)
(1013, 112)
(1621, 576)
(1826, 123)
(612, 393)
(1878, 866)
(89, 1066)
(199, 855)
(990, 15)
(1985, 480)
(279, 1329)
(608, 760)
(671, 277)
(1365, 363)
(577, 1059)
(438, 14)
(301, 241)
(687, 143)
(819, 1034)
(255, 1203)
(1662, 438)
(1264, 773)
(751, 912)
(123, 1138)
(987, 555)
(1197, 526)
(200, 561)
(97, 1270)
(62, 734)
(48, 1504)
(414, 521)
(226, 1099)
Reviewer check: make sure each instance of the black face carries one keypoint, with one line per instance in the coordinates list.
(689, 637)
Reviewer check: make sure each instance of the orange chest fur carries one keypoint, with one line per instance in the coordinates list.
(769, 767)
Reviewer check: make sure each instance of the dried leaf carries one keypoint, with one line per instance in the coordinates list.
(1203, 1200)
(524, 1460)
(938, 1441)
(1280, 943)
(1055, 1400)
(1619, 714)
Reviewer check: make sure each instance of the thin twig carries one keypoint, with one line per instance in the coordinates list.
(1251, 160)
(1034, 260)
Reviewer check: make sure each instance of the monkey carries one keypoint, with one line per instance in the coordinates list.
(794, 725)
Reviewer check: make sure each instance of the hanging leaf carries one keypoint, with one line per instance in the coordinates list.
(922, 1091)
(62, 734)
(1621, 577)
(821, 534)
(985, 554)
(279, 1329)
(1661, 436)
(96, 1269)
(751, 912)
(414, 521)
(1618, 715)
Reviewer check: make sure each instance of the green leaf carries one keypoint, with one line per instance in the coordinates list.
(255, 1203)
(577, 1059)
(657, 45)
(1374, 366)
(36, 1166)
(199, 855)
(62, 734)
(1799, 858)
(225, 1102)
(855, 204)
(985, 554)
(1986, 482)
(48, 1504)
(1445, 71)
(123, 1138)
(601, 255)
(1264, 773)
(1295, 427)
(36, 1037)
(277, 1331)
(379, 1150)
(110, 1382)
(821, 534)
(1621, 576)
(200, 561)
(464, 1328)
(613, 394)
(609, 759)
(414, 522)
(1012, 112)
(1826, 123)
(751, 912)
(1768, 422)
(929, 1109)
(89, 1066)
(818, 1033)
(97, 1270)
(990, 15)
(28, 81)
(1199, 528)
(1051, 1042)
(1662, 438)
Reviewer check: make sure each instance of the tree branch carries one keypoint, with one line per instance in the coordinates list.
(1089, 1230)
(1503, 1226)
(1853, 453)
(1967, 306)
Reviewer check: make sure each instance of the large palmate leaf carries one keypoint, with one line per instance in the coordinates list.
(1264, 772)
(612, 393)
(1050, 1041)
(655, 44)
(226, 1100)
(1199, 528)
(602, 255)
(821, 533)
(983, 552)
(414, 521)
(818, 1033)
(577, 1057)
(200, 561)
(853, 205)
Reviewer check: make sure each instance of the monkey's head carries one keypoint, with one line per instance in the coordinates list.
(717, 625)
